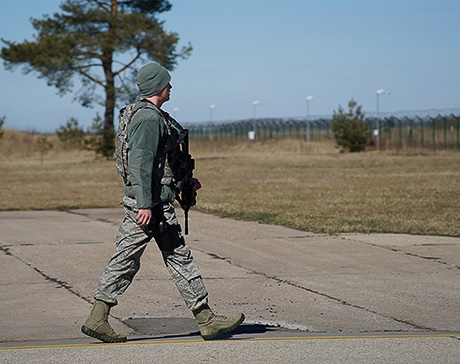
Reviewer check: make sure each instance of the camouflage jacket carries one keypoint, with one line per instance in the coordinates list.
(151, 180)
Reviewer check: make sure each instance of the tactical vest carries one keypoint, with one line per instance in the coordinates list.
(169, 170)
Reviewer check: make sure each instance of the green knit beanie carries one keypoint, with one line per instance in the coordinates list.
(152, 78)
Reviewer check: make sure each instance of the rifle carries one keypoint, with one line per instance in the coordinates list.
(187, 195)
(185, 188)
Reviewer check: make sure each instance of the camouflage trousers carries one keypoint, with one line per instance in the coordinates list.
(131, 242)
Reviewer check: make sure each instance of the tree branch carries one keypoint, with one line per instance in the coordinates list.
(87, 75)
(88, 65)
(128, 64)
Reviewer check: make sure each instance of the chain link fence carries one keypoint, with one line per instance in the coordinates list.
(439, 132)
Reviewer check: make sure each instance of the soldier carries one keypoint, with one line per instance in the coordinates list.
(150, 213)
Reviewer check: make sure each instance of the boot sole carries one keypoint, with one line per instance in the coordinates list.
(224, 330)
(101, 336)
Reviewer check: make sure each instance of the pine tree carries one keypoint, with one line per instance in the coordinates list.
(350, 129)
(86, 40)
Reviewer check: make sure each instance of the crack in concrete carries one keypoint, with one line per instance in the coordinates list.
(431, 259)
(92, 217)
(325, 295)
(59, 282)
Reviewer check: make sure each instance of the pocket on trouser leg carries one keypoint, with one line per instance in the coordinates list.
(168, 234)
(168, 237)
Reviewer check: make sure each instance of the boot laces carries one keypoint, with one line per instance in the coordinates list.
(220, 317)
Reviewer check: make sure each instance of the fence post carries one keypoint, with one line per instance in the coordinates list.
(458, 132)
(421, 125)
(324, 124)
(445, 132)
(421, 131)
(411, 133)
(319, 129)
(388, 121)
(298, 129)
(411, 136)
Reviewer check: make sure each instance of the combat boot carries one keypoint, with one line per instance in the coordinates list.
(97, 324)
(211, 325)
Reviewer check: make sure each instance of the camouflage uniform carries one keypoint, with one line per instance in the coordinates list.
(150, 192)
(131, 242)
(151, 186)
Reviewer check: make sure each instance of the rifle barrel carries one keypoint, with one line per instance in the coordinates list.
(186, 221)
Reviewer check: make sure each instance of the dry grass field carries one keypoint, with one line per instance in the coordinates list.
(306, 186)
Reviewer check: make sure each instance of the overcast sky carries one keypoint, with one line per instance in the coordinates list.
(276, 52)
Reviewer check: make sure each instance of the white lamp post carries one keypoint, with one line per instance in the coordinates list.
(175, 111)
(377, 131)
(307, 132)
(252, 133)
(254, 104)
(211, 107)
(378, 93)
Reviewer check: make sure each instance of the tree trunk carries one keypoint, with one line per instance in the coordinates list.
(110, 96)
(108, 142)
(108, 50)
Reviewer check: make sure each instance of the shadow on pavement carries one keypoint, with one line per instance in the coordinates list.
(179, 327)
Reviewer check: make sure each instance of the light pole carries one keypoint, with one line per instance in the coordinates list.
(175, 111)
(211, 126)
(254, 105)
(307, 131)
(252, 135)
(211, 107)
(377, 131)
(378, 93)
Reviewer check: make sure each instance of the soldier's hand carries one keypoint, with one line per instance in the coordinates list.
(143, 217)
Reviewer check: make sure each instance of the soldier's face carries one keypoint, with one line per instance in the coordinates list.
(165, 93)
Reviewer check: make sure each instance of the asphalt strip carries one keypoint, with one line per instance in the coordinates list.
(310, 337)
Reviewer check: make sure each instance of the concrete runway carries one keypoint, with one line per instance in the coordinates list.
(307, 298)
